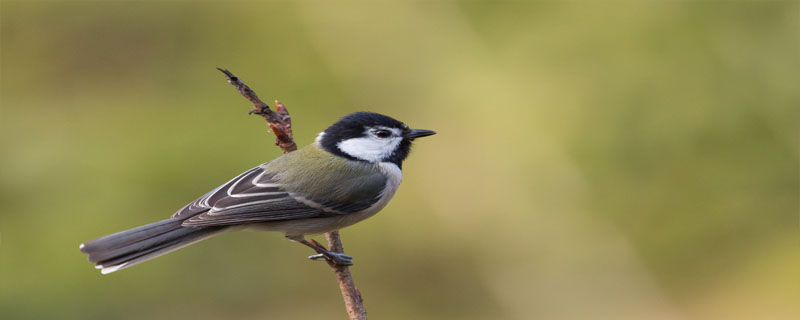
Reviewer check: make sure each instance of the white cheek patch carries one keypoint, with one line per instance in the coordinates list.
(369, 148)
(318, 140)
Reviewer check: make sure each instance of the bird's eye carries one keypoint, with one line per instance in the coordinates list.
(383, 133)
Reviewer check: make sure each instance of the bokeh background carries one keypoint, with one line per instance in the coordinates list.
(613, 160)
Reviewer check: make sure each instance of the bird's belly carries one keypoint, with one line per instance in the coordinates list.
(313, 225)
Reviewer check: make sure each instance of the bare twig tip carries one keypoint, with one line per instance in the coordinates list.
(228, 74)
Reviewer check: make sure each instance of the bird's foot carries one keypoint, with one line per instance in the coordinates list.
(332, 257)
(335, 257)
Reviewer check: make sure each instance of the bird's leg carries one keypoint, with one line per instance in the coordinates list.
(322, 252)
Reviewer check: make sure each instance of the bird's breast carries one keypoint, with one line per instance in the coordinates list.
(393, 178)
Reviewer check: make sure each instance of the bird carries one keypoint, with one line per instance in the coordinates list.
(349, 173)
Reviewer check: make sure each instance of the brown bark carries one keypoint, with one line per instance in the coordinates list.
(280, 123)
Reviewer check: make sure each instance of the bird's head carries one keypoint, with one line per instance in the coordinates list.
(371, 137)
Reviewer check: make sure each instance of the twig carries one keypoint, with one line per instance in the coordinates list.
(281, 124)
(352, 297)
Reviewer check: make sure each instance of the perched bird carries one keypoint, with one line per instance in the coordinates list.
(348, 174)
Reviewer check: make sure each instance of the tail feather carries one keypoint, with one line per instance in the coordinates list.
(127, 248)
(140, 245)
(135, 254)
(126, 237)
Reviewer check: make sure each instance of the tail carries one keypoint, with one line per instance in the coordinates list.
(127, 248)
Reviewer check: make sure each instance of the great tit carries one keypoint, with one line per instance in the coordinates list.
(348, 174)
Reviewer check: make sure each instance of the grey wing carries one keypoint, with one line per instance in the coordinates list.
(251, 197)
(205, 202)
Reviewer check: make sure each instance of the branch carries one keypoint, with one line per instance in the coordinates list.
(352, 297)
(281, 124)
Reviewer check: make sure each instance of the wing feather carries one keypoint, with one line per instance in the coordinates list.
(253, 196)
(204, 203)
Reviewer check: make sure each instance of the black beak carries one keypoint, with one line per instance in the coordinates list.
(418, 133)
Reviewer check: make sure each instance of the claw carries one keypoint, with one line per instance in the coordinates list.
(341, 259)
(317, 257)
(335, 257)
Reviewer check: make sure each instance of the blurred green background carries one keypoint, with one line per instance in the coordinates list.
(594, 161)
